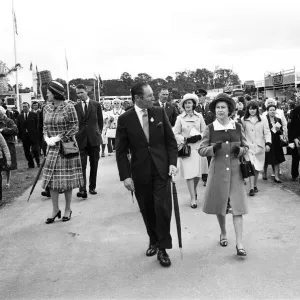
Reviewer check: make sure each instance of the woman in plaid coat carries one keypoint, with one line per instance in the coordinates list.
(61, 174)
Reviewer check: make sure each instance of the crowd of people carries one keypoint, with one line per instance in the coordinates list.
(146, 136)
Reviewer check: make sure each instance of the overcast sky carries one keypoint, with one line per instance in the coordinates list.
(158, 37)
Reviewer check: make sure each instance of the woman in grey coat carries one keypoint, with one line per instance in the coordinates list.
(224, 140)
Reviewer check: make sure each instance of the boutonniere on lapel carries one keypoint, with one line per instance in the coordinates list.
(159, 124)
(152, 120)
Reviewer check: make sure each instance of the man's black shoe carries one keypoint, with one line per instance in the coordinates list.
(163, 258)
(45, 193)
(152, 250)
(93, 192)
(82, 194)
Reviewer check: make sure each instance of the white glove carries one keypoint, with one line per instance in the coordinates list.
(50, 141)
(56, 139)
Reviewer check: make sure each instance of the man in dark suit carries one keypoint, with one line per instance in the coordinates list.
(294, 137)
(89, 139)
(145, 132)
(28, 133)
(170, 109)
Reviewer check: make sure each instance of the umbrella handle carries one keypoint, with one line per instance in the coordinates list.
(173, 178)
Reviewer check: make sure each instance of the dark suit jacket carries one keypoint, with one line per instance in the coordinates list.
(208, 116)
(294, 125)
(170, 110)
(32, 126)
(162, 146)
(90, 126)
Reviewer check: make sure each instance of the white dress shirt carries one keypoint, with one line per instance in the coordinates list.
(139, 112)
(87, 103)
(162, 104)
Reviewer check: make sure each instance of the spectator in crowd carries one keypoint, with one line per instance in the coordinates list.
(89, 139)
(35, 107)
(112, 121)
(275, 156)
(294, 137)
(5, 161)
(258, 137)
(28, 133)
(61, 173)
(163, 95)
(9, 130)
(106, 109)
(224, 140)
(15, 112)
(201, 94)
(8, 113)
(189, 128)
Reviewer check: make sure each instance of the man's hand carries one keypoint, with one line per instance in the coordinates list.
(172, 170)
(128, 183)
(8, 163)
(296, 141)
(268, 148)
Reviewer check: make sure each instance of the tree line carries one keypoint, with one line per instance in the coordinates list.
(183, 82)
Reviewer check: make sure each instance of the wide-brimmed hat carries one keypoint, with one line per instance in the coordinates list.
(56, 87)
(221, 97)
(201, 92)
(189, 96)
(270, 100)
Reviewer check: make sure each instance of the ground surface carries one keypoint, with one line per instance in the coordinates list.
(99, 254)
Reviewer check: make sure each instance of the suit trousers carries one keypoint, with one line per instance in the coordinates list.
(93, 153)
(154, 199)
(295, 163)
(34, 145)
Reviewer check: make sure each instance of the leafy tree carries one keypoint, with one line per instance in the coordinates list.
(143, 77)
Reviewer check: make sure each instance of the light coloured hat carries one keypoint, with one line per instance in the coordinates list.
(116, 100)
(269, 101)
(2, 109)
(189, 96)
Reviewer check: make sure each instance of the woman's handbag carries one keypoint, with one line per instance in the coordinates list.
(247, 168)
(69, 148)
(283, 141)
(185, 151)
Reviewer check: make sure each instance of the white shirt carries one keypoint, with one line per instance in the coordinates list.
(161, 104)
(139, 112)
(87, 103)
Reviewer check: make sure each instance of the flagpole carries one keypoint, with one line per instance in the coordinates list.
(15, 52)
(67, 71)
(99, 88)
(95, 89)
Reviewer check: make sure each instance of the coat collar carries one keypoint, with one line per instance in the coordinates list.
(218, 126)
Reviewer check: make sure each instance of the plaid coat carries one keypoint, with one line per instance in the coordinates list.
(61, 173)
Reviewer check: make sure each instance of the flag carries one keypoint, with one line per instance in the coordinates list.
(15, 23)
(99, 80)
(67, 65)
(30, 66)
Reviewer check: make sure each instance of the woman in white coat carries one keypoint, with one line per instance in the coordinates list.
(188, 128)
(259, 139)
(112, 121)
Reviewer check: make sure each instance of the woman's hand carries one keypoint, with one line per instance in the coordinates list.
(236, 150)
(8, 163)
(217, 146)
(268, 148)
(194, 139)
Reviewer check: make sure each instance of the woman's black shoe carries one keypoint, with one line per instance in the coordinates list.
(65, 219)
(51, 220)
(240, 252)
(255, 189)
(223, 242)
(163, 258)
(251, 193)
(277, 180)
(194, 206)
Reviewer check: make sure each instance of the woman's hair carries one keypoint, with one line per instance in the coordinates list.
(271, 105)
(57, 96)
(194, 104)
(252, 104)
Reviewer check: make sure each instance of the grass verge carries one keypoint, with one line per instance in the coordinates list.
(21, 179)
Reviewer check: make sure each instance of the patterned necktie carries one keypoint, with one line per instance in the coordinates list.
(145, 123)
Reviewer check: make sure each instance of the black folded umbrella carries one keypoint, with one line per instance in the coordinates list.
(177, 213)
(37, 176)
